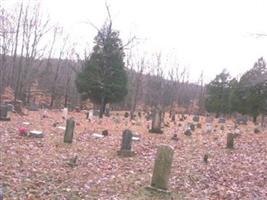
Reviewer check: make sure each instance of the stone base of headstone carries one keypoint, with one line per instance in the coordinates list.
(36, 134)
(4, 119)
(156, 130)
(150, 188)
(126, 153)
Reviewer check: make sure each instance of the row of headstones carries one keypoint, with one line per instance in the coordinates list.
(163, 161)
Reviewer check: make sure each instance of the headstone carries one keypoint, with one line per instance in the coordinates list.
(97, 135)
(116, 120)
(156, 122)
(96, 113)
(148, 116)
(126, 144)
(209, 119)
(230, 141)
(36, 134)
(33, 107)
(192, 127)
(126, 114)
(45, 114)
(242, 120)
(174, 137)
(221, 120)
(107, 111)
(188, 132)
(18, 104)
(91, 114)
(136, 136)
(10, 108)
(105, 132)
(257, 130)
(173, 117)
(196, 118)
(69, 130)
(65, 113)
(4, 113)
(209, 127)
(205, 158)
(162, 168)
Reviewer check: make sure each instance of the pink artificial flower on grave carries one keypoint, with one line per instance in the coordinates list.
(22, 131)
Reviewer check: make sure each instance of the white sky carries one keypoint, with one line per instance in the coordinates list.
(206, 35)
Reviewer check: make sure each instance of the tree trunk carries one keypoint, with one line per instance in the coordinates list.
(102, 107)
(254, 119)
(262, 120)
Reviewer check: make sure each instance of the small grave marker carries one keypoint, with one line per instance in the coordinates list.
(222, 120)
(126, 144)
(230, 140)
(156, 122)
(69, 130)
(196, 118)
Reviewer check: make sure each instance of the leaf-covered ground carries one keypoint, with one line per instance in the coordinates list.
(37, 168)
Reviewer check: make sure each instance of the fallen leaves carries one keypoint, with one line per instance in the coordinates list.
(36, 168)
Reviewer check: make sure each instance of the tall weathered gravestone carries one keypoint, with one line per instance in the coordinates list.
(156, 121)
(162, 169)
(126, 144)
(69, 130)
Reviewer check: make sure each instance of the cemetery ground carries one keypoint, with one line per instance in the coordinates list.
(90, 168)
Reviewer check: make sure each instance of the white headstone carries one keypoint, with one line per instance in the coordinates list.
(65, 112)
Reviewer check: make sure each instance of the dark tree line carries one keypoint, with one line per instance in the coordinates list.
(248, 95)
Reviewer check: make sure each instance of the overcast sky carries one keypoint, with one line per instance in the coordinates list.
(206, 35)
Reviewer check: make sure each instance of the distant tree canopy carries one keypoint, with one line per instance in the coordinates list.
(252, 90)
(248, 96)
(103, 79)
(218, 92)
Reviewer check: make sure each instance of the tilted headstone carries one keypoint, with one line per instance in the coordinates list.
(4, 113)
(230, 140)
(126, 144)
(162, 168)
(156, 122)
(69, 130)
